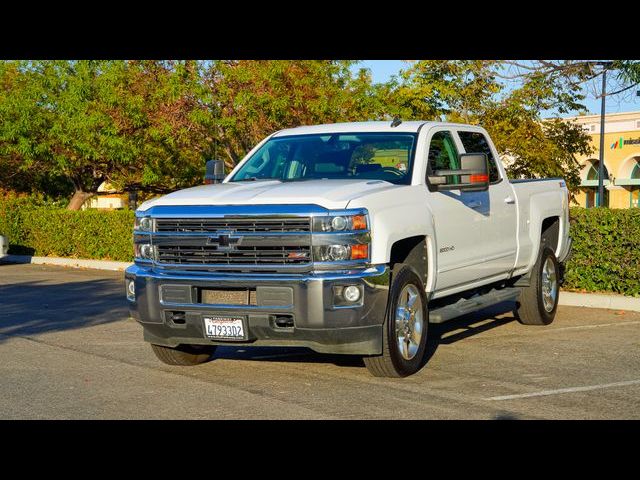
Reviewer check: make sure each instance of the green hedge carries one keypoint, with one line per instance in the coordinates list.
(606, 253)
(44, 230)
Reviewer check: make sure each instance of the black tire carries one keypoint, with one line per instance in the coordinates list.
(184, 355)
(530, 307)
(391, 362)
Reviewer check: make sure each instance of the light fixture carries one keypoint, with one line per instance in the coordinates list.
(131, 289)
(351, 293)
(144, 224)
(339, 223)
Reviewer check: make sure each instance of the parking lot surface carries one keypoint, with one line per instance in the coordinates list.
(69, 351)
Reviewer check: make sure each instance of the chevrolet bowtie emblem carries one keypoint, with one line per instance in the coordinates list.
(224, 240)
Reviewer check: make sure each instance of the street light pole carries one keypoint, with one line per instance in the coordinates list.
(601, 158)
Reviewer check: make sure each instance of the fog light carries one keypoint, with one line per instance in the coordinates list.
(131, 289)
(351, 293)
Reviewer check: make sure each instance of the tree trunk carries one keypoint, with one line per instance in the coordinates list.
(79, 197)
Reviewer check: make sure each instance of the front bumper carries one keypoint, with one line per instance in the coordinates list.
(317, 323)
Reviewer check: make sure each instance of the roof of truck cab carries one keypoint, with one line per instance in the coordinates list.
(358, 127)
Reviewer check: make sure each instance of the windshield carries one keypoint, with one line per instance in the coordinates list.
(378, 156)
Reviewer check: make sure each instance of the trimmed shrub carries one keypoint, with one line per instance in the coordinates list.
(36, 229)
(605, 256)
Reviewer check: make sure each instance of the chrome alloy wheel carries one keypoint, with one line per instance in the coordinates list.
(409, 321)
(549, 285)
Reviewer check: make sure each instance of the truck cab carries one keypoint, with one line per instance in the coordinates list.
(347, 238)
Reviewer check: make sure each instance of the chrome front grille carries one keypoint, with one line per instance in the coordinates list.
(239, 225)
(245, 243)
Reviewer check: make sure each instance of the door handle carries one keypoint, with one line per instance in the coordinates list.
(510, 200)
(474, 204)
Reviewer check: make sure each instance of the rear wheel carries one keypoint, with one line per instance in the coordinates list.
(405, 327)
(538, 302)
(184, 355)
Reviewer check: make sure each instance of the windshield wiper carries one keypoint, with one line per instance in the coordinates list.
(248, 179)
(301, 179)
(255, 179)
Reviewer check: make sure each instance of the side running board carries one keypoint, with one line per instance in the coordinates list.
(463, 307)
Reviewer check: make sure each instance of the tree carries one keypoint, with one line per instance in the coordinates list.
(434, 89)
(252, 99)
(623, 75)
(23, 141)
(134, 124)
(473, 91)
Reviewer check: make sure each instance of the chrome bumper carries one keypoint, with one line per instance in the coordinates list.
(317, 322)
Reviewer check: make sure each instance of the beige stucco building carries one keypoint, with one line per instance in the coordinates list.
(105, 201)
(621, 160)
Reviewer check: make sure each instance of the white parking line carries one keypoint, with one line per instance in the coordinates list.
(565, 390)
(581, 327)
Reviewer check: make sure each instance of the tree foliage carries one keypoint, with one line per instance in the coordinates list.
(68, 126)
(251, 99)
(472, 91)
(130, 123)
(151, 125)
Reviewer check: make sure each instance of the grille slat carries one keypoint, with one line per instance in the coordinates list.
(251, 255)
(244, 225)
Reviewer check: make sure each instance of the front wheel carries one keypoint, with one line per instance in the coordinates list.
(184, 355)
(404, 336)
(538, 302)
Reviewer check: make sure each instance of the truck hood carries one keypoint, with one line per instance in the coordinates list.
(331, 194)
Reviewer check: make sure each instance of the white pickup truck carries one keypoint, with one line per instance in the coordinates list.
(347, 238)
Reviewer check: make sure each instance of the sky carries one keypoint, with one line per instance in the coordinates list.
(382, 70)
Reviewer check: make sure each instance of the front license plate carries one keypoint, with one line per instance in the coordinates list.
(226, 328)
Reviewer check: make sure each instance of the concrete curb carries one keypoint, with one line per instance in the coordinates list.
(572, 299)
(66, 262)
(599, 300)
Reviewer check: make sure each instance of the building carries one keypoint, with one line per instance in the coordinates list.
(621, 160)
(106, 201)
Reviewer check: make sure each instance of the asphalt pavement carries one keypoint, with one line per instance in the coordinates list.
(69, 351)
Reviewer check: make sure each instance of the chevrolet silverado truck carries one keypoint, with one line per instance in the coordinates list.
(348, 239)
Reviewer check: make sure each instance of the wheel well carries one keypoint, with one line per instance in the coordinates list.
(413, 252)
(550, 232)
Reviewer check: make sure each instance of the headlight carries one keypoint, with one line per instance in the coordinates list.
(144, 224)
(339, 223)
(339, 253)
(144, 251)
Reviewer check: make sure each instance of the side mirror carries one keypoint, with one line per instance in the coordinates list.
(473, 175)
(214, 172)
